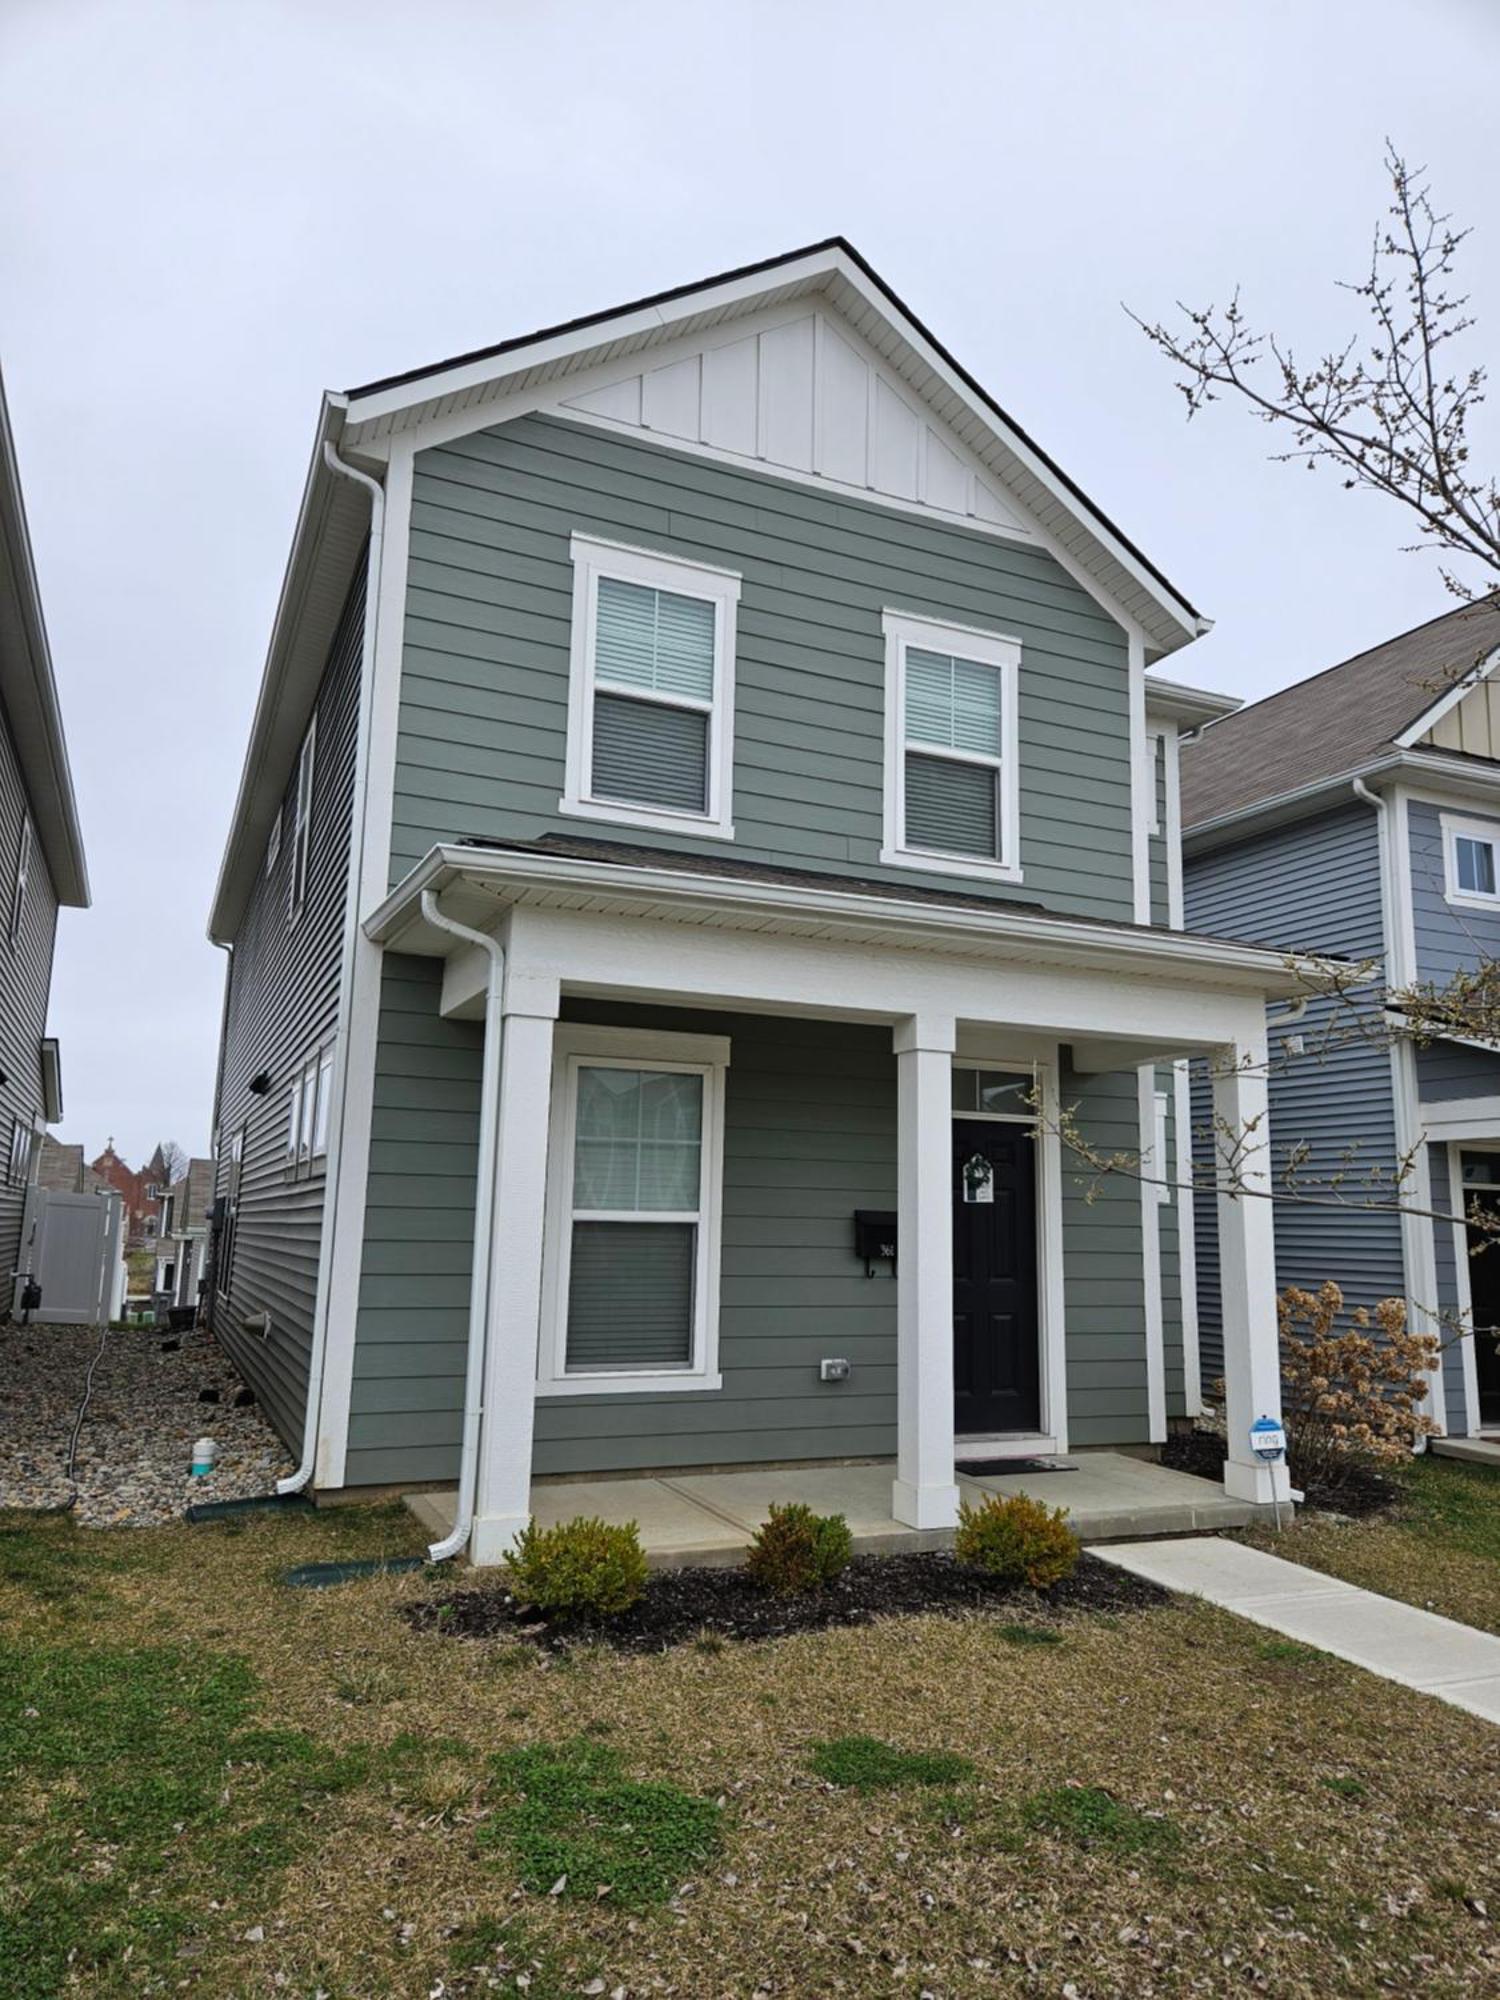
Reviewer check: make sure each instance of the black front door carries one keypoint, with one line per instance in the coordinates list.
(995, 1359)
(1484, 1286)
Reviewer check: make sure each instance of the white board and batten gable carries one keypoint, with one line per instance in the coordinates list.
(1466, 718)
(800, 396)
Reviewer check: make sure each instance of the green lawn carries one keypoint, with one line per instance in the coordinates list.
(1441, 1550)
(214, 1785)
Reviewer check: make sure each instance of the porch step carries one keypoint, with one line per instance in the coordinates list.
(1476, 1451)
(692, 1518)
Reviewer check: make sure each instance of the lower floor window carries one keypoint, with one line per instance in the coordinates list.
(633, 1251)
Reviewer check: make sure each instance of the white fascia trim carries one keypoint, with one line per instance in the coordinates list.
(1486, 833)
(1159, 952)
(1447, 701)
(1465, 1290)
(1187, 707)
(593, 558)
(341, 1257)
(903, 629)
(708, 1056)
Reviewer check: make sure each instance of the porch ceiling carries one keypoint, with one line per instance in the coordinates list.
(478, 884)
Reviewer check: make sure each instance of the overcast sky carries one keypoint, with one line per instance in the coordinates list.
(213, 210)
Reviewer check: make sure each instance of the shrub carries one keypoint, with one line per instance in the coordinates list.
(795, 1549)
(1350, 1394)
(865, 1764)
(578, 1567)
(1018, 1540)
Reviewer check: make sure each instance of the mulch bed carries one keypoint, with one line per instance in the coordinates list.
(1362, 1492)
(684, 1604)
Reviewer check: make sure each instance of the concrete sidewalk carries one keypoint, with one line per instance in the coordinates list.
(1400, 1643)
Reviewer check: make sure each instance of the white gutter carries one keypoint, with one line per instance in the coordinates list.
(312, 1416)
(484, 1232)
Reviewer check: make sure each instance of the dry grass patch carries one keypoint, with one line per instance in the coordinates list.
(412, 1868)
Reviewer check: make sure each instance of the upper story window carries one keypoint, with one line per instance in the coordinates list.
(1471, 862)
(273, 843)
(22, 1152)
(651, 691)
(23, 876)
(302, 819)
(951, 793)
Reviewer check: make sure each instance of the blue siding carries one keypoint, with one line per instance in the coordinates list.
(1447, 938)
(1311, 886)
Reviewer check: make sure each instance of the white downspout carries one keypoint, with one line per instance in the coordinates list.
(312, 1417)
(484, 1221)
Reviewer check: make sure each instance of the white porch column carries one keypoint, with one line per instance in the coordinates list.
(1247, 1265)
(925, 1494)
(502, 1504)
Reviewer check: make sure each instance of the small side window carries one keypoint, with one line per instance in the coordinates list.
(23, 876)
(273, 843)
(302, 820)
(1471, 862)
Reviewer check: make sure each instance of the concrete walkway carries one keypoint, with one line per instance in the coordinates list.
(1400, 1643)
(710, 1517)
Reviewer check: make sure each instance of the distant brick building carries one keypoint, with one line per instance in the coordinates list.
(142, 1207)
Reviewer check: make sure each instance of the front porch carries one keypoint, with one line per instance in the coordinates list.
(709, 1518)
(687, 1096)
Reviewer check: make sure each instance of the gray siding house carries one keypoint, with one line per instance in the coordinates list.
(708, 832)
(1358, 813)
(41, 867)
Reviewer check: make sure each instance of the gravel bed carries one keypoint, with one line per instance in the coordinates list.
(154, 1393)
(683, 1604)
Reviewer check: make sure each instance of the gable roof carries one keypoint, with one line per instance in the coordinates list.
(28, 691)
(1336, 722)
(467, 391)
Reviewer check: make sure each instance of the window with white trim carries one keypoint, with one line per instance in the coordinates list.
(273, 843)
(308, 1108)
(1161, 1152)
(23, 877)
(22, 1146)
(1471, 862)
(951, 790)
(651, 690)
(631, 1288)
(302, 820)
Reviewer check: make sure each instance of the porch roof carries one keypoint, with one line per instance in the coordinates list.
(618, 879)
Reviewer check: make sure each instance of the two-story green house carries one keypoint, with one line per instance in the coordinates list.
(708, 833)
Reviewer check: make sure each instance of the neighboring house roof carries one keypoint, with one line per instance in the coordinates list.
(1338, 722)
(28, 691)
(469, 390)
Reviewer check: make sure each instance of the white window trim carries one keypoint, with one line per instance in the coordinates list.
(592, 559)
(705, 1055)
(273, 843)
(302, 811)
(986, 1067)
(903, 630)
(306, 1115)
(23, 876)
(1156, 740)
(1161, 1151)
(1456, 828)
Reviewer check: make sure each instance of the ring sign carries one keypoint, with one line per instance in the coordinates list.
(979, 1179)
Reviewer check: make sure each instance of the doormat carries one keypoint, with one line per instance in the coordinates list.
(982, 1467)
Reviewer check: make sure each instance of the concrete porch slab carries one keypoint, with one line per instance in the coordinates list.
(1473, 1450)
(710, 1517)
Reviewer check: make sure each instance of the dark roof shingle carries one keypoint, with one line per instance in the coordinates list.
(1337, 720)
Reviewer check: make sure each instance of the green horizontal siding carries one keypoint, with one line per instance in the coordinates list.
(1103, 1273)
(489, 606)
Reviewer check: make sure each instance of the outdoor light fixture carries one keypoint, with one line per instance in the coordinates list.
(260, 1086)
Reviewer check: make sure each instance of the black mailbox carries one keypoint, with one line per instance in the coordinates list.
(875, 1238)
